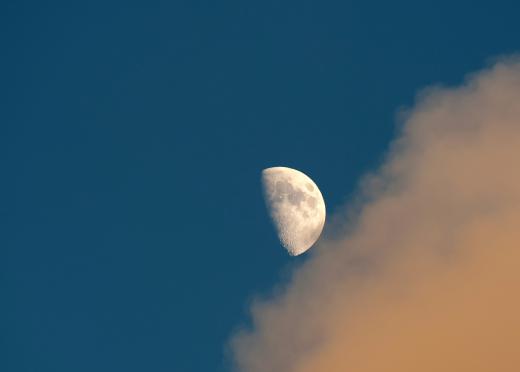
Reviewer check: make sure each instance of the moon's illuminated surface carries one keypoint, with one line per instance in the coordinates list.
(296, 207)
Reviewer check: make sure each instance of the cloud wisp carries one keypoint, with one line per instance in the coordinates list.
(427, 278)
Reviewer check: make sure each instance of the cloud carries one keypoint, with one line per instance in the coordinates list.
(427, 276)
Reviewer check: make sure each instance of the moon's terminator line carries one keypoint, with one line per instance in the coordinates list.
(296, 207)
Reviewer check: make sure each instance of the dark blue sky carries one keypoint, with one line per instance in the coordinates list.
(133, 234)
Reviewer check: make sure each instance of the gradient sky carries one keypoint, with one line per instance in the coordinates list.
(133, 234)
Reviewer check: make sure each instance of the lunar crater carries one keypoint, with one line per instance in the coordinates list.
(296, 207)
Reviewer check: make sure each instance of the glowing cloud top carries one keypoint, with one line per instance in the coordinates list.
(427, 277)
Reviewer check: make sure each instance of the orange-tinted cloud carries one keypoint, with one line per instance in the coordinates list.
(428, 276)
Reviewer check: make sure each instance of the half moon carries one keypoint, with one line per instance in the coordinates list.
(296, 207)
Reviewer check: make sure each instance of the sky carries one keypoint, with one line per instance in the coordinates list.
(133, 234)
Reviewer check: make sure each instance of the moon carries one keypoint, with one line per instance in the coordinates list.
(296, 207)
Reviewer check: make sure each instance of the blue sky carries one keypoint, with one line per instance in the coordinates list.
(133, 234)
